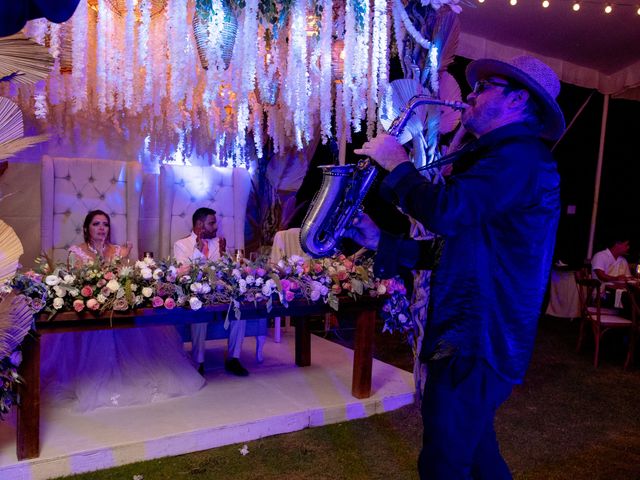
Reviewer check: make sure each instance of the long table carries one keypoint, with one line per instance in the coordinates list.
(28, 418)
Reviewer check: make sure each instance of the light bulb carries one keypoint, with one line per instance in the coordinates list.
(638, 11)
(576, 7)
(513, 2)
(480, 1)
(545, 4)
(608, 9)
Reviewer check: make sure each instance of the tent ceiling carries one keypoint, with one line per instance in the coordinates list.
(605, 48)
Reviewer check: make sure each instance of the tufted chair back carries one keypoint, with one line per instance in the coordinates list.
(71, 187)
(183, 189)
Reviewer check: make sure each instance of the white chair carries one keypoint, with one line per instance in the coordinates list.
(71, 187)
(183, 189)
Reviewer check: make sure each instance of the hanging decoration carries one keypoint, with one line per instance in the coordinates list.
(219, 78)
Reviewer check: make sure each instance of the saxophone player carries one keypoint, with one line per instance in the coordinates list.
(497, 214)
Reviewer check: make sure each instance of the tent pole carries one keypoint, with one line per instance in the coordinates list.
(596, 192)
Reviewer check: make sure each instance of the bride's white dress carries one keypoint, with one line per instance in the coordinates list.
(111, 368)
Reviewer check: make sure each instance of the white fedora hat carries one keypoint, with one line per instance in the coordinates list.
(534, 76)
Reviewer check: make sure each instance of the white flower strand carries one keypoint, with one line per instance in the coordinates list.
(325, 70)
(129, 51)
(361, 71)
(348, 76)
(143, 52)
(79, 25)
(101, 55)
(398, 10)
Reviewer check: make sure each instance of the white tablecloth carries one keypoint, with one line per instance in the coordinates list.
(563, 295)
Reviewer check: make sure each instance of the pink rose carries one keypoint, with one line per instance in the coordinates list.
(294, 285)
(342, 275)
(336, 289)
(348, 264)
(101, 283)
(120, 304)
(289, 295)
(169, 303)
(286, 285)
(347, 286)
(78, 305)
(108, 276)
(105, 291)
(157, 302)
(317, 268)
(261, 272)
(86, 291)
(93, 304)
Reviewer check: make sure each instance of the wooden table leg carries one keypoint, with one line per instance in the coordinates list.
(303, 342)
(363, 354)
(28, 434)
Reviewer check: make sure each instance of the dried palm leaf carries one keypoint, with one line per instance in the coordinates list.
(402, 91)
(16, 319)
(445, 36)
(10, 251)
(450, 90)
(9, 149)
(24, 60)
(11, 125)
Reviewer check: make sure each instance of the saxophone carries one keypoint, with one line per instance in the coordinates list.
(344, 187)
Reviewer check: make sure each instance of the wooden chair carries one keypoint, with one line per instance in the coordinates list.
(634, 295)
(601, 320)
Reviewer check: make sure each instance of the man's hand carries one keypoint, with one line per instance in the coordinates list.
(364, 232)
(385, 150)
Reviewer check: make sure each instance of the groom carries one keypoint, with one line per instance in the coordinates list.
(203, 245)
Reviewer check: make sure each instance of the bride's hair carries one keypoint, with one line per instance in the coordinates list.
(87, 221)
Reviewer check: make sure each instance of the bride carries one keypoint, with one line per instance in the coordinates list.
(110, 368)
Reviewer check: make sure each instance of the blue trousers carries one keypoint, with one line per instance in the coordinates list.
(460, 400)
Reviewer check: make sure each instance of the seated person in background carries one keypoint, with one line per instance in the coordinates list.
(202, 245)
(119, 367)
(609, 265)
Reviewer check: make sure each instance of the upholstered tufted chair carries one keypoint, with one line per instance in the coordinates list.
(183, 189)
(71, 187)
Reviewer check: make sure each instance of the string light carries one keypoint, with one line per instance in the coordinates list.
(606, 6)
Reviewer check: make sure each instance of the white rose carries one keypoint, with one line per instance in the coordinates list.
(60, 292)
(206, 288)
(146, 273)
(266, 290)
(195, 303)
(120, 293)
(52, 280)
(74, 292)
(270, 283)
(236, 273)
(281, 264)
(196, 287)
(242, 285)
(140, 265)
(113, 285)
(402, 317)
(101, 298)
(158, 274)
(315, 295)
(382, 289)
(134, 287)
(296, 259)
(69, 278)
(250, 279)
(149, 261)
(259, 281)
(58, 303)
(147, 292)
(324, 290)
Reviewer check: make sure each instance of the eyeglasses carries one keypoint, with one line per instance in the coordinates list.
(481, 85)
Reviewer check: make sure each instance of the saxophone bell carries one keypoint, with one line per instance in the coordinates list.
(344, 188)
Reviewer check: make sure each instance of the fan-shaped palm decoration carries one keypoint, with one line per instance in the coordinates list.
(23, 60)
(16, 319)
(120, 6)
(226, 37)
(399, 94)
(15, 315)
(12, 139)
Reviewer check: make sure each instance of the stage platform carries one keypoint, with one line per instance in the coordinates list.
(277, 397)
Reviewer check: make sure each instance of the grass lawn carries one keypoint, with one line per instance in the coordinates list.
(567, 421)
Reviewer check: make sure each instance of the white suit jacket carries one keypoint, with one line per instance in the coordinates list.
(185, 251)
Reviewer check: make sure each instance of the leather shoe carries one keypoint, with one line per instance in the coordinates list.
(234, 366)
(201, 369)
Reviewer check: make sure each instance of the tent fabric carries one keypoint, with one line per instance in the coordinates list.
(623, 84)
